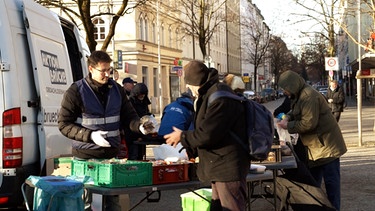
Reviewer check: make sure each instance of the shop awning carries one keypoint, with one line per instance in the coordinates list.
(367, 63)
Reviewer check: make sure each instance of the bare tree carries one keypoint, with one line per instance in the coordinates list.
(313, 58)
(202, 19)
(85, 17)
(281, 58)
(325, 13)
(255, 49)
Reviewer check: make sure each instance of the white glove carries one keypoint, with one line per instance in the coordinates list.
(98, 138)
(330, 100)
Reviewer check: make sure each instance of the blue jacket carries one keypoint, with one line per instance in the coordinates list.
(179, 113)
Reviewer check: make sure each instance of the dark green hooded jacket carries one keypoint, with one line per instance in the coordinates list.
(312, 119)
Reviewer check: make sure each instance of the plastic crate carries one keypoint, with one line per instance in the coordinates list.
(84, 168)
(129, 174)
(170, 173)
(193, 202)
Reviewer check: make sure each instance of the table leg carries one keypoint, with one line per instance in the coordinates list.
(249, 187)
(97, 202)
(274, 189)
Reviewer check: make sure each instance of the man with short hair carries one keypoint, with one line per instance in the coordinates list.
(222, 160)
(93, 111)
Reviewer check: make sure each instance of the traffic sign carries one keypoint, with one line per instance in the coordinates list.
(331, 73)
(331, 63)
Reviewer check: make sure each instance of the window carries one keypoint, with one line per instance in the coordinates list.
(141, 27)
(144, 75)
(99, 29)
(154, 32)
(143, 30)
(162, 35)
(170, 37)
(174, 86)
(156, 82)
(178, 42)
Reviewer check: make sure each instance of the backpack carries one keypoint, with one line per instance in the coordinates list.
(259, 123)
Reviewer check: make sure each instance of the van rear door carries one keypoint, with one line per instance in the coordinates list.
(52, 75)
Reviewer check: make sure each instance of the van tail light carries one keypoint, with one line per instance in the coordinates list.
(4, 200)
(12, 138)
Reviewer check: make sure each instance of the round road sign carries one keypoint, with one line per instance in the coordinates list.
(331, 62)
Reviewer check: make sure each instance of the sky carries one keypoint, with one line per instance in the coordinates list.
(278, 15)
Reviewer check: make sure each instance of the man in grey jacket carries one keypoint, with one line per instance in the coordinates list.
(319, 132)
(222, 161)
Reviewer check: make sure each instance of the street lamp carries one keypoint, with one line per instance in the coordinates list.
(359, 82)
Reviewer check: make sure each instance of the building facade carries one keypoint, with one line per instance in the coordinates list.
(151, 46)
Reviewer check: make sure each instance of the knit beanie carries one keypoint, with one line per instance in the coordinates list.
(196, 73)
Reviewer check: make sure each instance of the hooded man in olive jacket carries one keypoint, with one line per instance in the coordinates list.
(222, 161)
(319, 132)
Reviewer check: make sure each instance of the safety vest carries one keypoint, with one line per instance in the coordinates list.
(96, 117)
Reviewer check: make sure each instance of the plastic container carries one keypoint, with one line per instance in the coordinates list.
(55, 193)
(257, 169)
(172, 173)
(129, 174)
(192, 202)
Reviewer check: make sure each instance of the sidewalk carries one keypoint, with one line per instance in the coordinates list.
(357, 174)
(349, 123)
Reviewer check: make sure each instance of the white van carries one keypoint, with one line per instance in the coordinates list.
(41, 55)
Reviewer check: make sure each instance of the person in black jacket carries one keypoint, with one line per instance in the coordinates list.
(128, 85)
(222, 160)
(140, 101)
(93, 111)
(336, 99)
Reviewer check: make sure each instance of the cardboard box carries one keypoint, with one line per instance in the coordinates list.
(60, 165)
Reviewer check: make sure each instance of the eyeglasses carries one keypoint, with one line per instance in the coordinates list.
(103, 71)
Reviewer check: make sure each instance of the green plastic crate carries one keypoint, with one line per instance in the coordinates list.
(131, 173)
(62, 160)
(193, 202)
(84, 168)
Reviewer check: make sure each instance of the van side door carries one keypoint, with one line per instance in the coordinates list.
(52, 74)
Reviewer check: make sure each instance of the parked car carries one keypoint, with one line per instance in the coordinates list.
(269, 94)
(251, 95)
(323, 90)
(262, 97)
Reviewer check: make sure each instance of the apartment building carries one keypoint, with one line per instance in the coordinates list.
(348, 52)
(151, 45)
